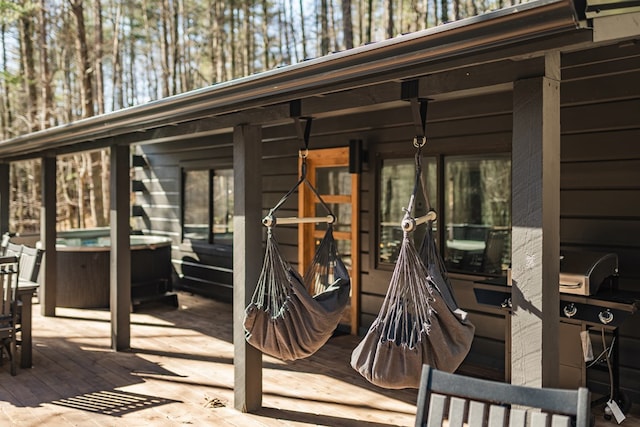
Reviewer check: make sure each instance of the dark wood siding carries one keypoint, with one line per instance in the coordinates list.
(201, 268)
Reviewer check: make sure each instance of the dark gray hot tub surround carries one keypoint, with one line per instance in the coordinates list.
(83, 268)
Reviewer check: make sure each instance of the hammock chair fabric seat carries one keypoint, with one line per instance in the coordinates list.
(284, 319)
(419, 323)
(394, 365)
(304, 324)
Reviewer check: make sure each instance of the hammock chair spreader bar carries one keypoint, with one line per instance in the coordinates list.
(272, 221)
(410, 224)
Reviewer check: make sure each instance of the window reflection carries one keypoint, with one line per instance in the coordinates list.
(478, 213)
(222, 227)
(396, 184)
(333, 180)
(208, 205)
(196, 205)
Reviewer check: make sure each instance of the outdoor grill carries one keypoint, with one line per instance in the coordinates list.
(584, 272)
(588, 289)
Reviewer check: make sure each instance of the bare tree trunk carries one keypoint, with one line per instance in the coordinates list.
(46, 94)
(369, 21)
(6, 118)
(117, 98)
(164, 48)
(347, 24)
(303, 33)
(176, 49)
(94, 184)
(248, 36)
(84, 64)
(98, 46)
(81, 182)
(29, 72)
(324, 27)
(265, 34)
(105, 175)
(390, 26)
(445, 11)
(293, 53)
(148, 53)
(233, 26)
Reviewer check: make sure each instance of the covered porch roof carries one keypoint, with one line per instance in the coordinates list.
(513, 49)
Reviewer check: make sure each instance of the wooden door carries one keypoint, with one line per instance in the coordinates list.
(328, 172)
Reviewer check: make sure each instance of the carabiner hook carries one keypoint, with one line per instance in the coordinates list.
(419, 144)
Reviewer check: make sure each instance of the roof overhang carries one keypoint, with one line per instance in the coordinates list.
(501, 34)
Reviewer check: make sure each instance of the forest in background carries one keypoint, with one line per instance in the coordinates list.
(65, 60)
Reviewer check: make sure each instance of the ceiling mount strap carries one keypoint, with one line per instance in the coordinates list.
(410, 91)
(303, 136)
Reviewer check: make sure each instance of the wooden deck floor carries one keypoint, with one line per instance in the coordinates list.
(180, 372)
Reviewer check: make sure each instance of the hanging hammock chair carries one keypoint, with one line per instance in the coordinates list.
(419, 321)
(291, 317)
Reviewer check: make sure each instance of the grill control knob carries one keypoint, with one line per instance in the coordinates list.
(570, 310)
(605, 316)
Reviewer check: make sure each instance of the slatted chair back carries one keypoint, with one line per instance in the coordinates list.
(13, 249)
(457, 401)
(9, 272)
(30, 260)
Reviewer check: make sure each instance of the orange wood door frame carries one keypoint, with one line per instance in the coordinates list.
(307, 233)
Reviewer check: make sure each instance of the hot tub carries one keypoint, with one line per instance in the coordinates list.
(83, 259)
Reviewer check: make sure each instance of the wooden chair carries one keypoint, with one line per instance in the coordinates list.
(457, 400)
(30, 260)
(9, 272)
(13, 249)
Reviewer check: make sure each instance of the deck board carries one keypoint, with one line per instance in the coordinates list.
(180, 372)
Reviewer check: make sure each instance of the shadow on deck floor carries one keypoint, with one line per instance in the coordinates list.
(180, 372)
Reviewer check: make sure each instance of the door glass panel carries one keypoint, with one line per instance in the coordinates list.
(344, 249)
(342, 212)
(478, 213)
(397, 181)
(333, 180)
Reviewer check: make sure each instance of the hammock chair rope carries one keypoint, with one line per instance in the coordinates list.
(270, 220)
(289, 316)
(419, 321)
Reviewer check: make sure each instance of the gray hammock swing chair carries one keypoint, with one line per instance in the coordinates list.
(290, 317)
(419, 321)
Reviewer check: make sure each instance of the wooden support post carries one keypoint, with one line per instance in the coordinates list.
(536, 228)
(120, 266)
(5, 184)
(247, 256)
(48, 287)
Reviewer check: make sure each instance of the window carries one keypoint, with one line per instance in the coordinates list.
(397, 178)
(208, 205)
(476, 191)
(477, 212)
